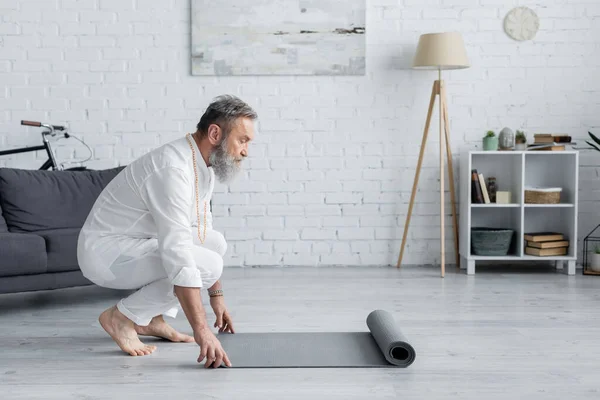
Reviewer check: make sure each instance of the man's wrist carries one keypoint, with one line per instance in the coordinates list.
(200, 328)
(215, 292)
(190, 300)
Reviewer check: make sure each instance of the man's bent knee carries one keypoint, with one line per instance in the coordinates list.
(215, 241)
(210, 264)
(221, 248)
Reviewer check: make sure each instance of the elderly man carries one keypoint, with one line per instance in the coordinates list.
(151, 229)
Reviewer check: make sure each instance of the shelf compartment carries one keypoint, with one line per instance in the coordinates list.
(558, 171)
(551, 219)
(499, 218)
(506, 167)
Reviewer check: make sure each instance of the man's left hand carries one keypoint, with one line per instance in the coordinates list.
(223, 321)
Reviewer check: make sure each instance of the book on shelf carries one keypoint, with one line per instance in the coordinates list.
(548, 245)
(539, 138)
(557, 251)
(551, 137)
(479, 192)
(476, 193)
(543, 236)
(552, 146)
(550, 142)
(486, 196)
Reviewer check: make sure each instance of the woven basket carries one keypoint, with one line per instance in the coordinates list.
(491, 241)
(542, 196)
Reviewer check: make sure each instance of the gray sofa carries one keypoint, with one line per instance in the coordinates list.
(41, 214)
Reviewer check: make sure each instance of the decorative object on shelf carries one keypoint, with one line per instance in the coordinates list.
(520, 141)
(438, 51)
(591, 262)
(490, 141)
(503, 197)
(491, 241)
(506, 139)
(534, 195)
(492, 189)
(521, 23)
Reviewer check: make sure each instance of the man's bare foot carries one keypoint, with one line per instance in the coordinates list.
(158, 327)
(122, 330)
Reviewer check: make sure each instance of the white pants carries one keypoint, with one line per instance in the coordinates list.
(140, 267)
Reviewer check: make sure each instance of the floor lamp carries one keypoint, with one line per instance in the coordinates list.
(438, 51)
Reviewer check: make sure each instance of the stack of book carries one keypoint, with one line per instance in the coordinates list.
(546, 244)
(549, 142)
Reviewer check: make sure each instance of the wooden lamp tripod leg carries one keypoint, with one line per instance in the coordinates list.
(442, 179)
(450, 171)
(434, 92)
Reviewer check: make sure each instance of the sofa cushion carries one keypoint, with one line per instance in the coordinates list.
(61, 249)
(3, 226)
(22, 254)
(35, 200)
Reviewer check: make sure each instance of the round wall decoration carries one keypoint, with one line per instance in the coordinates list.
(521, 23)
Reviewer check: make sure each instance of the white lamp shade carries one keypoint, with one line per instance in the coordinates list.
(441, 51)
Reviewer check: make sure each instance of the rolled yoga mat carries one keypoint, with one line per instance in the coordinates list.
(383, 345)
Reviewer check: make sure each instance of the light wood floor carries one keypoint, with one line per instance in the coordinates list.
(504, 333)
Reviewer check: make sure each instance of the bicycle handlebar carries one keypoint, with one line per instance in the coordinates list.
(39, 124)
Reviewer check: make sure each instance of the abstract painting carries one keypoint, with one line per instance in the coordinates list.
(271, 37)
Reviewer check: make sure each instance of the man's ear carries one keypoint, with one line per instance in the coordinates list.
(214, 134)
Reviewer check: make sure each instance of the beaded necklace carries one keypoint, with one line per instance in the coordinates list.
(188, 137)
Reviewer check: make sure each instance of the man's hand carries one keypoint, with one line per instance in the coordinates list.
(223, 321)
(211, 349)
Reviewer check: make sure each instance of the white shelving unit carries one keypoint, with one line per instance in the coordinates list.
(514, 171)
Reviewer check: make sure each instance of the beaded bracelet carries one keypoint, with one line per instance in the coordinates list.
(215, 293)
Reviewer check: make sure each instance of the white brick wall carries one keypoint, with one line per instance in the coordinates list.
(331, 170)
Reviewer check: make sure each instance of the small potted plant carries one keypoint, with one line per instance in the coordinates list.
(490, 141)
(595, 260)
(520, 141)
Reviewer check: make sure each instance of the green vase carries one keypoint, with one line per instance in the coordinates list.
(490, 143)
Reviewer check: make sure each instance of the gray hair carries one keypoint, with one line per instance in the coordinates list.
(224, 111)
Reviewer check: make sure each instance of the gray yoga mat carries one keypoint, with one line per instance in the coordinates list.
(383, 345)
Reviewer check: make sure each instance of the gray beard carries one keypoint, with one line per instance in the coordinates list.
(224, 165)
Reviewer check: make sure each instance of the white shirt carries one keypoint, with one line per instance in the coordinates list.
(153, 197)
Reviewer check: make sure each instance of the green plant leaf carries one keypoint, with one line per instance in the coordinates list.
(594, 146)
(594, 137)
